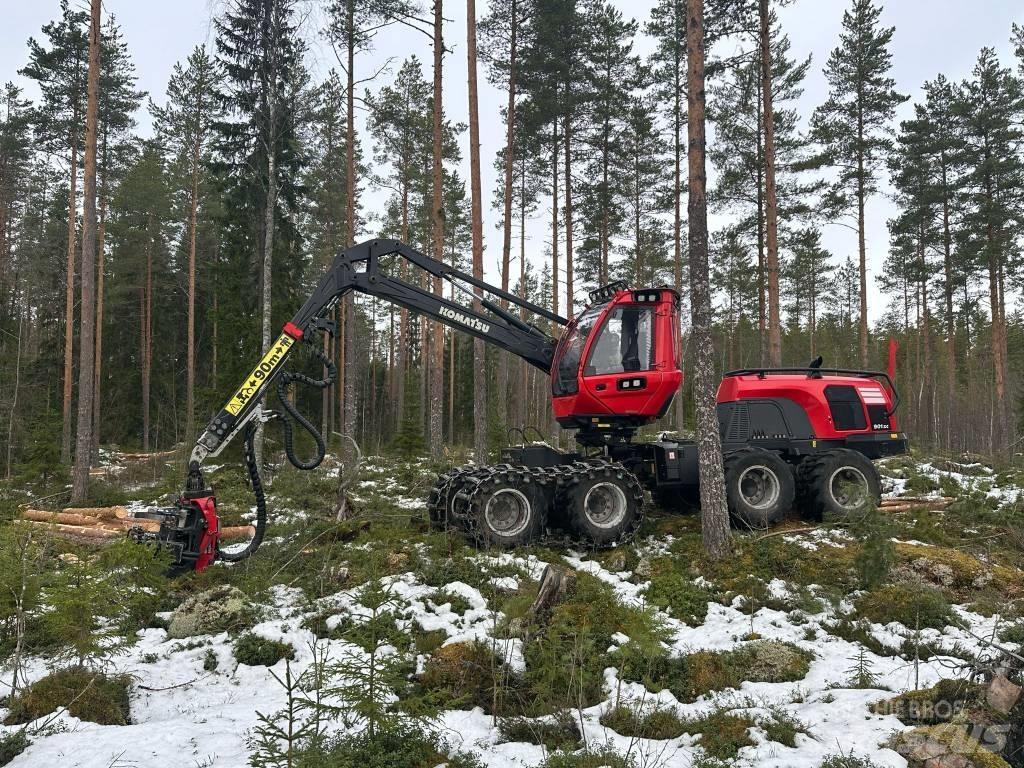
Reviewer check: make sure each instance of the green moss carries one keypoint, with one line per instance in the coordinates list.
(722, 734)
(913, 605)
(12, 744)
(87, 695)
(256, 651)
(1014, 633)
(652, 723)
(847, 761)
(593, 757)
(467, 675)
(694, 675)
(455, 601)
(679, 596)
(941, 703)
(223, 608)
(782, 727)
(403, 746)
(567, 655)
(917, 483)
(561, 731)
(954, 739)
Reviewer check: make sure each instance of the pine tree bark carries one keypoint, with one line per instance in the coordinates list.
(502, 399)
(69, 292)
(348, 388)
(87, 350)
(771, 196)
(862, 328)
(97, 394)
(190, 342)
(677, 189)
(479, 353)
(567, 133)
(947, 263)
(714, 512)
(435, 367)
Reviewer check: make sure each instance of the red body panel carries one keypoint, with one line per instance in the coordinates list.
(809, 394)
(642, 394)
(208, 544)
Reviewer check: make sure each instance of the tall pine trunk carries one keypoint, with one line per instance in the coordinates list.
(771, 198)
(435, 362)
(190, 341)
(862, 327)
(347, 335)
(714, 513)
(677, 188)
(97, 392)
(87, 350)
(502, 399)
(568, 216)
(479, 361)
(69, 293)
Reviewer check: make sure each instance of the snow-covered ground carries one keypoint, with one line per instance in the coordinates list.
(183, 715)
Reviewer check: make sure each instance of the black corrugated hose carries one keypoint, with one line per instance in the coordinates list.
(252, 466)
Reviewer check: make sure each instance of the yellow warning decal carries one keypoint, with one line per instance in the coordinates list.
(270, 362)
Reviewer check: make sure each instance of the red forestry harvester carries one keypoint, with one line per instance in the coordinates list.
(788, 434)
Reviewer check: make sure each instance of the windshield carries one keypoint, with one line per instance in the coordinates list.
(570, 350)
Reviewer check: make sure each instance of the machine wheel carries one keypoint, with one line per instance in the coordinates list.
(837, 484)
(442, 495)
(604, 503)
(504, 507)
(759, 486)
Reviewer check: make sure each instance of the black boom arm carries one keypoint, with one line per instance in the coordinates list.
(358, 269)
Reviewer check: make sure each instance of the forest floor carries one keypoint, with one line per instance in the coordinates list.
(779, 656)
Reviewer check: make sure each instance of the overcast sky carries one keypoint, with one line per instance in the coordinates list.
(932, 37)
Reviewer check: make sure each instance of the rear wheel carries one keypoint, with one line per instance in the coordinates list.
(837, 485)
(604, 502)
(759, 487)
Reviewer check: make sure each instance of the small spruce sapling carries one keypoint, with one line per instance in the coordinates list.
(877, 553)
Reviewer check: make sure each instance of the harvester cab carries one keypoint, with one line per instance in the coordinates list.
(616, 367)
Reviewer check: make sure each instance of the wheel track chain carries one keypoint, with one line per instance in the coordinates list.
(455, 498)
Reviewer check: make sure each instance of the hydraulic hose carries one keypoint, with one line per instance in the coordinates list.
(283, 383)
(253, 468)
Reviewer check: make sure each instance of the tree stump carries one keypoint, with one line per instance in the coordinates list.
(555, 584)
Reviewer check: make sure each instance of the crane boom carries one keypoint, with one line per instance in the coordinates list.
(359, 269)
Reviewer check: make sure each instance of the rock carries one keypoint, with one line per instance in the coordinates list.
(615, 561)
(643, 568)
(1002, 695)
(222, 609)
(944, 746)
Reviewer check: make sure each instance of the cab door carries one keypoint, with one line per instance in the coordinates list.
(621, 373)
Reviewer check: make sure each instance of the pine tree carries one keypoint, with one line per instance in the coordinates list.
(990, 109)
(15, 162)
(185, 130)
(87, 336)
(806, 275)
(60, 71)
(714, 513)
(118, 101)
(853, 125)
(667, 26)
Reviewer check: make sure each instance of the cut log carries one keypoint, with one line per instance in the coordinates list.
(233, 532)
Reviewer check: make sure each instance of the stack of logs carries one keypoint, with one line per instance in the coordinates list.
(101, 525)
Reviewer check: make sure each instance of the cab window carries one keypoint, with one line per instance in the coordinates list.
(567, 358)
(624, 344)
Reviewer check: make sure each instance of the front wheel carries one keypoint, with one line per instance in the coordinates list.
(759, 487)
